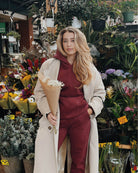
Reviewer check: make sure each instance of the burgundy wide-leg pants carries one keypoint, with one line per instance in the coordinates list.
(78, 130)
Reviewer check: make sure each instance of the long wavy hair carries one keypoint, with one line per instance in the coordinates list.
(81, 65)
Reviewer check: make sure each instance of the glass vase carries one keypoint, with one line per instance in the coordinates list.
(116, 162)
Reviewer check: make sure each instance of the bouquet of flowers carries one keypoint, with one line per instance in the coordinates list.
(52, 90)
(25, 101)
(6, 100)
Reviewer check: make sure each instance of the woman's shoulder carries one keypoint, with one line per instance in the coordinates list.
(49, 62)
(93, 68)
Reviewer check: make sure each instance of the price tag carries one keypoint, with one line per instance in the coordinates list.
(4, 162)
(122, 120)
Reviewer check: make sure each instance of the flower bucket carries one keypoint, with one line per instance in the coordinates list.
(28, 165)
(98, 25)
(12, 39)
(128, 17)
(50, 22)
(12, 165)
(76, 23)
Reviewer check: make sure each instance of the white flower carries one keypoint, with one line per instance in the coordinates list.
(40, 51)
(17, 76)
(33, 43)
(31, 99)
(55, 83)
(2, 83)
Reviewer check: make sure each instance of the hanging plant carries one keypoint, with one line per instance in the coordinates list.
(14, 34)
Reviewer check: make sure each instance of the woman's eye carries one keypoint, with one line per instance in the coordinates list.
(64, 41)
(72, 40)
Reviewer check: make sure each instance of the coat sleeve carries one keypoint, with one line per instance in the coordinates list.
(40, 96)
(96, 102)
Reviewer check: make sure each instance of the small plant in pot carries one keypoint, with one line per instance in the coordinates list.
(50, 18)
(10, 147)
(128, 8)
(28, 144)
(99, 12)
(14, 34)
(67, 10)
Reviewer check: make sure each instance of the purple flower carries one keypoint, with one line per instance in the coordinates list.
(30, 69)
(104, 76)
(128, 74)
(29, 86)
(118, 72)
(110, 71)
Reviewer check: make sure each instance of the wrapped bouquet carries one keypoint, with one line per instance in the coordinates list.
(52, 90)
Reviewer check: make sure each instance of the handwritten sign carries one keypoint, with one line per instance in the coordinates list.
(122, 120)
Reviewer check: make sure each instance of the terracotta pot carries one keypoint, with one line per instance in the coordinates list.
(14, 165)
(28, 165)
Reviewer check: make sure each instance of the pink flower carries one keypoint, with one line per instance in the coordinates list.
(129, 109)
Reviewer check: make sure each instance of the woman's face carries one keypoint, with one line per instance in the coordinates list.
(69, 43)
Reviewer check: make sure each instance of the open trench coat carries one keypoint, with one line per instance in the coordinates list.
(47, 157)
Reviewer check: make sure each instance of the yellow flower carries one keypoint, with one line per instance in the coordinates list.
(12, 95)
(28, 77)
(5, 96)
(109, 92)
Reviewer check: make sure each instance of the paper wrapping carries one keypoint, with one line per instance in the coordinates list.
(52, 93)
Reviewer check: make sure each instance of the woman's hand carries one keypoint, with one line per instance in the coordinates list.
(90, 111)
(52, 119)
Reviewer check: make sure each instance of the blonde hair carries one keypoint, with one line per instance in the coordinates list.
(81, 65)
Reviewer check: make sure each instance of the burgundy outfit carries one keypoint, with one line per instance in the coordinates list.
(74, 118)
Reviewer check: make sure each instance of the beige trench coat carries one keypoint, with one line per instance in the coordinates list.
(47, 157)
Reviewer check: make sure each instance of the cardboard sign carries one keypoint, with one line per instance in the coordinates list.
(122, 120)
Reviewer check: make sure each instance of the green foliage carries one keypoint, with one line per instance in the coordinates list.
(14, 34)
(127, 5)
(67, 10)
(17, 136)
(101, 9)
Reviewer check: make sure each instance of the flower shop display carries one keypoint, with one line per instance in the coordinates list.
(120, 101)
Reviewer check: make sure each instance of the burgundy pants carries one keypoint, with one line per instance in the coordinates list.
(78, 130)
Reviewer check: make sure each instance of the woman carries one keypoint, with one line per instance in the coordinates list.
(81, 100)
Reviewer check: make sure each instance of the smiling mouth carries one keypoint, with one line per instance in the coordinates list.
(69, 49)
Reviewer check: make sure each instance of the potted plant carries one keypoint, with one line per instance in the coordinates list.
(50, 18)
(28, 144)
(69, 10)
(99, 12)
(13, 36)
(10, 144)
(128, 9)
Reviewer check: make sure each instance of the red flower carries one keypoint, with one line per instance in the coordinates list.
(36, 63)
(30, 63)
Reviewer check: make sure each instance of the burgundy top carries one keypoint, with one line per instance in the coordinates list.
(72, 102)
